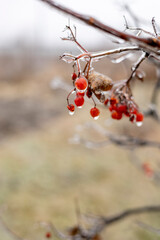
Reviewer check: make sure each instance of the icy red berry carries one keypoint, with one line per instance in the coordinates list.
(139, 117)
(81, 84)
(122, 108)
(79, 101)
(112, 107)
(113, 101)
(95, 112)
(116, 115)
(74, 76)
(71, 107)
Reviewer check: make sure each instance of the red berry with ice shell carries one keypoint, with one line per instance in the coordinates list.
(79, 101)
(95, 113)
(81, 84)
(71, 109)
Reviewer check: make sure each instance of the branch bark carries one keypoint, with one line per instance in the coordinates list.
(106, 221)
(142, 42)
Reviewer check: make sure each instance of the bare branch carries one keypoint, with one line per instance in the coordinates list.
(152, 108)
(136, 65)
(129, 142)
(148, 227)
(150, 43)
(154, 26)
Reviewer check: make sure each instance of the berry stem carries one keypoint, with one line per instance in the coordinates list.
(93, 101)
(78, 67)
(72, 91)
(135, 67)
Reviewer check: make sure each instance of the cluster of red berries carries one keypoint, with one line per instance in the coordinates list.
(120, 104)
(120, 109)
(82, 88)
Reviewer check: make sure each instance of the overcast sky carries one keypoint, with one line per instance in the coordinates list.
(34, 22)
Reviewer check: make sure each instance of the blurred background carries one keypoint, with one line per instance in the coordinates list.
(41, 171)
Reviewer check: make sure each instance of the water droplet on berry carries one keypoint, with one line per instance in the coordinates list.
(81, 91)
(79, 106)
(139, 124)
(71, 113)
(95, 118)
(81, 84)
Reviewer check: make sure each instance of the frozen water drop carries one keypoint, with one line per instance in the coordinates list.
(95, 118)
(81, 91)
(71, 113)
(79, 106)
(139, 124)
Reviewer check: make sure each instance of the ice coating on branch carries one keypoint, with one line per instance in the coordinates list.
(68, 58)
(122, 58)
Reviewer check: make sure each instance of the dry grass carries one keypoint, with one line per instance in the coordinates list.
(41, 174)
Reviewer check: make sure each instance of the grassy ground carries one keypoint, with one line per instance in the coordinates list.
(41, 174)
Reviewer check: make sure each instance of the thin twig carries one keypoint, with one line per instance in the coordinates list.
(154, 26)
(104, 222)
(135, 67)
(119, 140)
(148, 227)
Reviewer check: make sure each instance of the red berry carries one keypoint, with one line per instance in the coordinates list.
(112, 107)
(134, 111)
(147, 169)
(48, 235)
(89, 92)
(81, 84)
(95, 112)
(79, 101)
(116, 115)
(113, 101)
(119, 116)
(122, 108)
(74, 76)
(106, 102)
(139, 117)
(71, 107)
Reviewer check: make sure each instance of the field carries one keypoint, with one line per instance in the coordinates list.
(42, 174)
